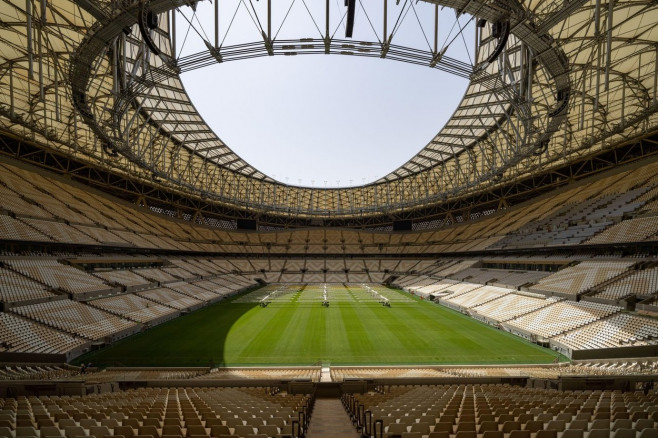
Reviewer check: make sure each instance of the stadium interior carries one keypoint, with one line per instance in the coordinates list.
(533, 212)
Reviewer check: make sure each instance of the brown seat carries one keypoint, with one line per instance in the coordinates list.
(152, 422)
(534, 426)
(487, 426)
(519, 434)
(50, 431)
(524, 418)
(466, 427)
(623, 423)
(599, 433)
(546, 434)
(268, 429)
(196, 430)
(100, 431)
(573, 433)
(132, 422)
(439, 434)
(396, 429)
(509, 426)
(443, 427)
(172, 429)
(126, 431)
(649, 432)
(558, 425)
(74, 431)
(217, 430)
(149, 430)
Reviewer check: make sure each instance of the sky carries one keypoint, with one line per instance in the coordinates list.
(322, 120)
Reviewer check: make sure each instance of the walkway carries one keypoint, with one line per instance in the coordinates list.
(330, 420)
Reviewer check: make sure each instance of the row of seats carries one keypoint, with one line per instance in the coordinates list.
(155, 412)
(618, 330)
(641, 283)
(50, 209)
(504, 411)
(579, 278)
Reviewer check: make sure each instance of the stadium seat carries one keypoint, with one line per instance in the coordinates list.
(573, 433)
(598, 433)
(623, 433)
(649, 433)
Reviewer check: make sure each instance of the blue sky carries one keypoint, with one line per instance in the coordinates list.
(323, 120)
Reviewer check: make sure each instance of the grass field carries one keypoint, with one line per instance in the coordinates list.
(295, 329)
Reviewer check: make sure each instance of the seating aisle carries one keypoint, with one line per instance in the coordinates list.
(330, 420)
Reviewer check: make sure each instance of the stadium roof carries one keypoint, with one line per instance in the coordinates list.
(552, 81)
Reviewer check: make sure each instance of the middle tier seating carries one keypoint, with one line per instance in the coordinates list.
(560, 317)
(77, 318)
(577, 279)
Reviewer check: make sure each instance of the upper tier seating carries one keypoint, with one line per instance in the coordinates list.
(633, 230)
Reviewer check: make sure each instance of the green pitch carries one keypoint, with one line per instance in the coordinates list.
(296, 329)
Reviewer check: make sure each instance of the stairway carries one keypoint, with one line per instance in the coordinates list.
(330, 420)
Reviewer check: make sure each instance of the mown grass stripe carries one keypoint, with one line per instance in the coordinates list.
(302, 333)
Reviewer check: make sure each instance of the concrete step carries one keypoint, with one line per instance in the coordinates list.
(330, 420)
